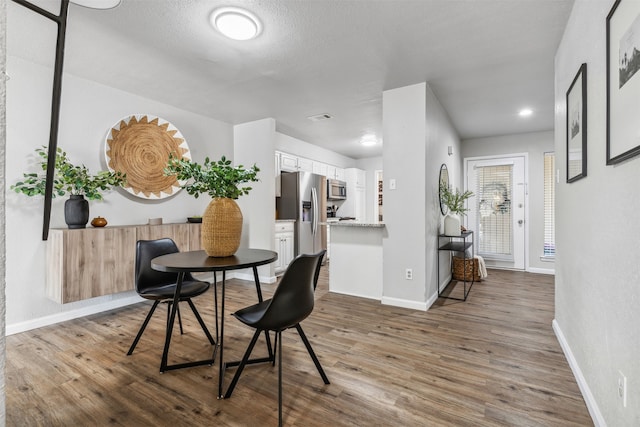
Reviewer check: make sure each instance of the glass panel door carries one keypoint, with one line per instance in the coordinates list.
(497, 209)
(493, 203)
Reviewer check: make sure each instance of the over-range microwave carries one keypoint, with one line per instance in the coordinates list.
(336, 190)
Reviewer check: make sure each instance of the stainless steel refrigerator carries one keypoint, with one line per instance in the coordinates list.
(303, 197)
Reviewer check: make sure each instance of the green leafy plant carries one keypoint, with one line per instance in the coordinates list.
(218, 179)
(454, 200)
(68, 178)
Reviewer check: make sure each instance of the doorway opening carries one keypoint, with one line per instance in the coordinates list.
(498, 210)
(377, 200)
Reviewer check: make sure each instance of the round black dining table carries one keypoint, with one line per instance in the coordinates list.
(199, 261)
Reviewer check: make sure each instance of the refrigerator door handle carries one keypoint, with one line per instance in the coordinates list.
(314, 213)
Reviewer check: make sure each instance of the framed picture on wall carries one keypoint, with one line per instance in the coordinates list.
(623, 81)
(577, 126)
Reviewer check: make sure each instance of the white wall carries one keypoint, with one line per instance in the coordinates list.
(254, 144)
(3, 251)
(404, 155)
(440, 135)
(417, 132)
(597, 265)
(88, 111)
(301, 148)
(535, 144)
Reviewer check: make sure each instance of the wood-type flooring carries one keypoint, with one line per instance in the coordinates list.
(490, 361)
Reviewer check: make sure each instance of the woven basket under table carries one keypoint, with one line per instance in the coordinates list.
(466, 268)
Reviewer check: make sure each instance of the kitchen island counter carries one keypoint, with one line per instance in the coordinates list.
(350, 223)
(356, 258)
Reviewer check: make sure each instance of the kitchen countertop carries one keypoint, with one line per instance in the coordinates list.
(285, 220)
(352, 223)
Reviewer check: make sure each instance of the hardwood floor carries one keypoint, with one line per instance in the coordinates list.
(490, 361)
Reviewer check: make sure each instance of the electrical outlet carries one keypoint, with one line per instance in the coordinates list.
(622, 388)
(408, 274)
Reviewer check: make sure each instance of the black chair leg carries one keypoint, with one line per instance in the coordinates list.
(169, 303)
(275, 349)
(179, 318)
(279, 347)
(245, 358)
(312, 354)
(143, 327)
(279, 339)
(202, 325)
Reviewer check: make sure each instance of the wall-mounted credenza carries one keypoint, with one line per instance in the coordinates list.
(91, 262)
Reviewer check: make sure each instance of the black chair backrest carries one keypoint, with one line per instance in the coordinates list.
(147, 277)
(293, 299)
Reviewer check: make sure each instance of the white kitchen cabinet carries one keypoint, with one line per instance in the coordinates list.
(288, 163)
(320, 168)
(340, 174)
(283, 245)
(305, 165)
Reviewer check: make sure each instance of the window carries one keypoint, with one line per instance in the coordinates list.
(493, 193)
(549, 205)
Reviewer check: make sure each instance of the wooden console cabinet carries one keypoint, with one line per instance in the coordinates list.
(91, 262)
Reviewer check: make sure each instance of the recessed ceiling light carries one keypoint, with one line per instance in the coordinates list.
(525, 112)
(368, 140)
(236, 23)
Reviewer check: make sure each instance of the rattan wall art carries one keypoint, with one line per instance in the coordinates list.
(139, 145)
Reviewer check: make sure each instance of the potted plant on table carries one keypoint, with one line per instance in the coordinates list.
(222, 219)
(72, 179)
(455, 201)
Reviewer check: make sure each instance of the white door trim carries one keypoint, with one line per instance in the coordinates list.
(505, 158)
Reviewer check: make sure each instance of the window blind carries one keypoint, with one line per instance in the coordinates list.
(549, 205)
(494, 207)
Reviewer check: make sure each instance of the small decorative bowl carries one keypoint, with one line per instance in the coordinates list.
(194, 219)
(99, 222)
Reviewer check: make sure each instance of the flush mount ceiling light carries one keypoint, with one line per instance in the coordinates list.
(97, 4)
(236, 23)
(368, 140)
(525, 112)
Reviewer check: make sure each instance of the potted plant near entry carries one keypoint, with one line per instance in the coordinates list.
(222, 219)
(454, 200)
(72, 179)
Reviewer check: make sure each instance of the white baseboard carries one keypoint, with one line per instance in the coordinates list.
(550, 271)
(592, 406)
(404, 303)
(354, 294)
(249, 277)
(431, 300)
(52, 319)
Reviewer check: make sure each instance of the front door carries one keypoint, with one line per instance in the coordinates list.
(497, 211)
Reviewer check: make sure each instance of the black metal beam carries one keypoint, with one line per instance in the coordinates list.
(61, 21)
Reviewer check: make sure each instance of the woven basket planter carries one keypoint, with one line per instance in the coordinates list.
(221, 227)
(466, 269)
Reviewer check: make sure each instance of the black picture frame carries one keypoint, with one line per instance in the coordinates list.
(623, 81)
(577, 126)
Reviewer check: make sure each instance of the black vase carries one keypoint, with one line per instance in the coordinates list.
(76, 211)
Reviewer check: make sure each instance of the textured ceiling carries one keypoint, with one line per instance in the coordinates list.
(483, 59)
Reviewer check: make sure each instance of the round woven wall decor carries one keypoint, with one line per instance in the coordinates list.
(139, 146)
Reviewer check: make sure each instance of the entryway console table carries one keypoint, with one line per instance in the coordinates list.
(456, 244)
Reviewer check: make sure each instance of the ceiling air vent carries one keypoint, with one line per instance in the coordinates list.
(319, 117)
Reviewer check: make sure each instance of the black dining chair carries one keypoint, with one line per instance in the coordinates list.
(292, 302)
(160, 286)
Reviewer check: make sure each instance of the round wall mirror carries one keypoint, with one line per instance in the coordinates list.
(443, 181)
